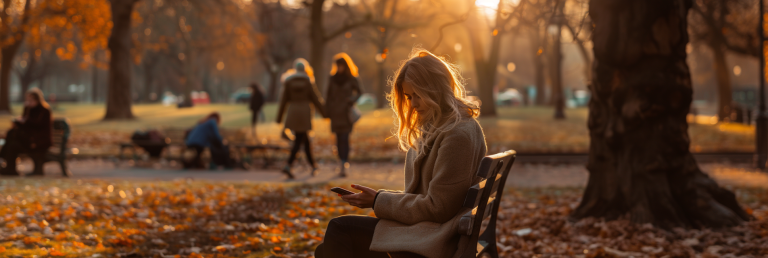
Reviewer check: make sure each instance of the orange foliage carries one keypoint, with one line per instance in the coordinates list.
(75, 28)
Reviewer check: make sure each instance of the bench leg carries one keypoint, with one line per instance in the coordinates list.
(64, 169)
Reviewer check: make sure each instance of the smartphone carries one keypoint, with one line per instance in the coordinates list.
(341, 191)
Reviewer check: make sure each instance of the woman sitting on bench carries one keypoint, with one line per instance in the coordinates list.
(206, 135)
(31, 134)
(444, 144)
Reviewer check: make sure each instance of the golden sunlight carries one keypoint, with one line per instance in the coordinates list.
(492, 4)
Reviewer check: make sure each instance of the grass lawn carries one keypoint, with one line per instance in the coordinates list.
(525, 129)
(74, 218)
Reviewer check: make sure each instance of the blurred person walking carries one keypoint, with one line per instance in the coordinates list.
(343, 92)
(255, 104)
(31, 134)
(296, 101)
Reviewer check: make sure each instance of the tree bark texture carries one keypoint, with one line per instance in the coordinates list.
(119, 93)
(639, 161)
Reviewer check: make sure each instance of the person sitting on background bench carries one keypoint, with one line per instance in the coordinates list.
(206, 135)
(31, 134)
(445, 144)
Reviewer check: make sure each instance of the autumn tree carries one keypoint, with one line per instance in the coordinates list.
(32, 66)
(724, 25)
(640, 165)
(120, 66)
(277, 35)
(14, 20)
(506, 17)
(389, 20)
(320, 36)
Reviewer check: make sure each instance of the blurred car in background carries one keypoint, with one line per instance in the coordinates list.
(366, 98)
(242, 95)
(200, 98)
(510, 97)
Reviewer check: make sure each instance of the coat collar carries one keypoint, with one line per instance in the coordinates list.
(429, 145)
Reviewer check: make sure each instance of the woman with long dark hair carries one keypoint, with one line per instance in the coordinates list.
(436, 125)
(343, 92)
(299, 95)
(32, 133)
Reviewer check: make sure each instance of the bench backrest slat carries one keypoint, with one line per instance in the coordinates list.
(60, 136)
(484, 199)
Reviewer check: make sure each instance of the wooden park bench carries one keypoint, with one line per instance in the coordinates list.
(58, 150)
(484, 198)
(176, 149)
(174, 140)
(267, 152)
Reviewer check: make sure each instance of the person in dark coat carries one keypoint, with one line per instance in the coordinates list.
(206, 135)
(255, 104)
(299, 95)
(32, 134)
(343, 92)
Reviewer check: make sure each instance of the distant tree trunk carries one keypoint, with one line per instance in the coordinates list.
(639, 159)
(95, 79)
(273, 86)
(556, 64)
(381, 86)
(317, 43)
(274, 73)
(485, 67)
(16, 37)
(119, 93)
(722, 73)
(537, 47)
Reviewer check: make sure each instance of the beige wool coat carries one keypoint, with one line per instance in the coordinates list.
(299, 95)
(424, 218)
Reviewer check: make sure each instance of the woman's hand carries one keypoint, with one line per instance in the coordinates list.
(363, 199)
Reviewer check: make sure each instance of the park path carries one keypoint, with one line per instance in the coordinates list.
(384, 174)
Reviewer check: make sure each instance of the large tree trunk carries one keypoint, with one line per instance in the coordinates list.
(119, 93)
(722, 74)
(639, 159)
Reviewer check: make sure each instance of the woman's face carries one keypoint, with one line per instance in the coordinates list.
(30, 101)
(414, 100)
(340, 69)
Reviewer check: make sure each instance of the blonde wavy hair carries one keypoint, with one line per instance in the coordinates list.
(439, 84)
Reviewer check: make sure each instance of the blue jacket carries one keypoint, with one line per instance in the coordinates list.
(204, 134)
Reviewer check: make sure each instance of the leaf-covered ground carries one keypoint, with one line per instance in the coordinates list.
(186, 218)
